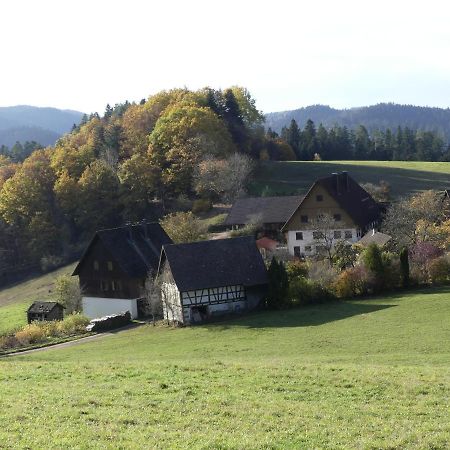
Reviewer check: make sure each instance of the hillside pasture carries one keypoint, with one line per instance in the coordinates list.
(405, 177)
(15, 299)
(359, 374)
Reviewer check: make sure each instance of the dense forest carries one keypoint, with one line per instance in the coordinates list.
(376, 117)
(340, 143)
(130, 164)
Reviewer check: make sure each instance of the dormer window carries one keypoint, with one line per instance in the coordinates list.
(319, 198)
(304, 219)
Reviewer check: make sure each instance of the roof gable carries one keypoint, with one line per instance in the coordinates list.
(43, 307)
(135, 248)
(215, 263)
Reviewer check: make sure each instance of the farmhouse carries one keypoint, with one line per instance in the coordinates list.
(269, 212)
(335, 208)
(113, 269)
(207, 278)
(44, 311)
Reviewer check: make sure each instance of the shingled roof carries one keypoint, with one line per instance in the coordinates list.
(267, 209)
(215, 263)
(43, 307)
(351, 197)
(374, 237)
(136, 248)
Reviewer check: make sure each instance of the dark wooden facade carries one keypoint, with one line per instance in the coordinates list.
(45, 311)
(101, 276)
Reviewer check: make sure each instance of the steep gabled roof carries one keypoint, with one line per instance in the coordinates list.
(43, 307)
(215, 263)
(350, 196)
(135, 248)
(374, 237)
(267, 209)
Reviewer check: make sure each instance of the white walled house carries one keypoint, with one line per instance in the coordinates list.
(114, 266)
(204, 279)
(335, 208)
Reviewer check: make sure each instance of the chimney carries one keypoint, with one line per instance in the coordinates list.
(345, 180)
(336, 181)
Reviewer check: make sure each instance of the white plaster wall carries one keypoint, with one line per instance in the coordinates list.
(309, 240)
(94, 307)
(172, 309)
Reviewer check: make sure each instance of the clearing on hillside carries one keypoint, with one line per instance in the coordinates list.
(358, 374)
(405, 177)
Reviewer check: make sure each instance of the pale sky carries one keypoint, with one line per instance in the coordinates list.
(84, 54)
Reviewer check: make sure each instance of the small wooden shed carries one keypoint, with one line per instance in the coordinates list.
(43, 311)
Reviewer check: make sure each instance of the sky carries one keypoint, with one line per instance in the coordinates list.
(84, 54)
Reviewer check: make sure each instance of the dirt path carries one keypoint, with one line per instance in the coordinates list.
(77, 341)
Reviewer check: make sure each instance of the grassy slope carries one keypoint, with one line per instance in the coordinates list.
(404, 176)
(363, 374)
(15, 299)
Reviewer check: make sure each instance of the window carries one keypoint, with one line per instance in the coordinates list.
(348, 234)
(297, 252)
(96, 266)
(304, 219)
(299, 236)
(104, 285)
(319, 198)
(321, 249)
(110, 266)
(338, 234)
(337, 217)
(318, 235)
(116, 285)
(308, 248)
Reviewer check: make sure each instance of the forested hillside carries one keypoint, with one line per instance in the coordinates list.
(376, 117)
(133, 163)
(29, 123)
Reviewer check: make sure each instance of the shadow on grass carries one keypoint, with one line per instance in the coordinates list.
(299, 317)
(294, 177)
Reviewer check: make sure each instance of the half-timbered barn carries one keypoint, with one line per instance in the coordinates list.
(203, 279)
(113, 269)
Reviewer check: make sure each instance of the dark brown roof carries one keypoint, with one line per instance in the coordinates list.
(267, 209)
(351, 197)
(136, 248)
(215, 263)
(43, 307)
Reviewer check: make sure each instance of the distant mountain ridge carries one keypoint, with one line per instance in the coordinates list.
(31, 123)
(380, 116)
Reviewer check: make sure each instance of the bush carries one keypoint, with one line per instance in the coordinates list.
(201, 205)
(30, 334)
(354, 281)
(7, 342)
(439, 270)
(296, 269)
(303, 291)
(73, 324)
(322, 273)
(68, 293)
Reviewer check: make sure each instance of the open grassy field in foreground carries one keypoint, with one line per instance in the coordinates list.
(405, 177)
(359, 374)
(15, 299)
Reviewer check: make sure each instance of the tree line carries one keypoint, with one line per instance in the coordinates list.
(341, 143)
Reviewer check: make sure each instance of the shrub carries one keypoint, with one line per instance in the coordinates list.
(404, 266)
(277, 295)
(439, 270)
(354, 281)
(7, 342)
(183, 227)
(296, 269)
(303, 291)
(322, 273)
(73, 324)
(201, 205)
(68, 293)
(30, 334)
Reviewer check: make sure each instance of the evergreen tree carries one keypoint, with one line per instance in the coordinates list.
(404, 266)
(293, 137)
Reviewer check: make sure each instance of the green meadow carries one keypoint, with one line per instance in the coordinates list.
(371, 373)
(293, 177)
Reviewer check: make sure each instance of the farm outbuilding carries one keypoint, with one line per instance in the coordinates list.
(45, 311)
(204, 279)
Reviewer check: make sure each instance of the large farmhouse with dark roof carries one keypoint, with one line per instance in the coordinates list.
(352, 211)
(206, 278)
(271, 212)
(113, 269)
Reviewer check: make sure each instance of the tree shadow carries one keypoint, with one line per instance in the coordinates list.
(307, 316)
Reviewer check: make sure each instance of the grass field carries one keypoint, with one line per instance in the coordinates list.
(405, 177)
(15, 299)
(361, 374)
